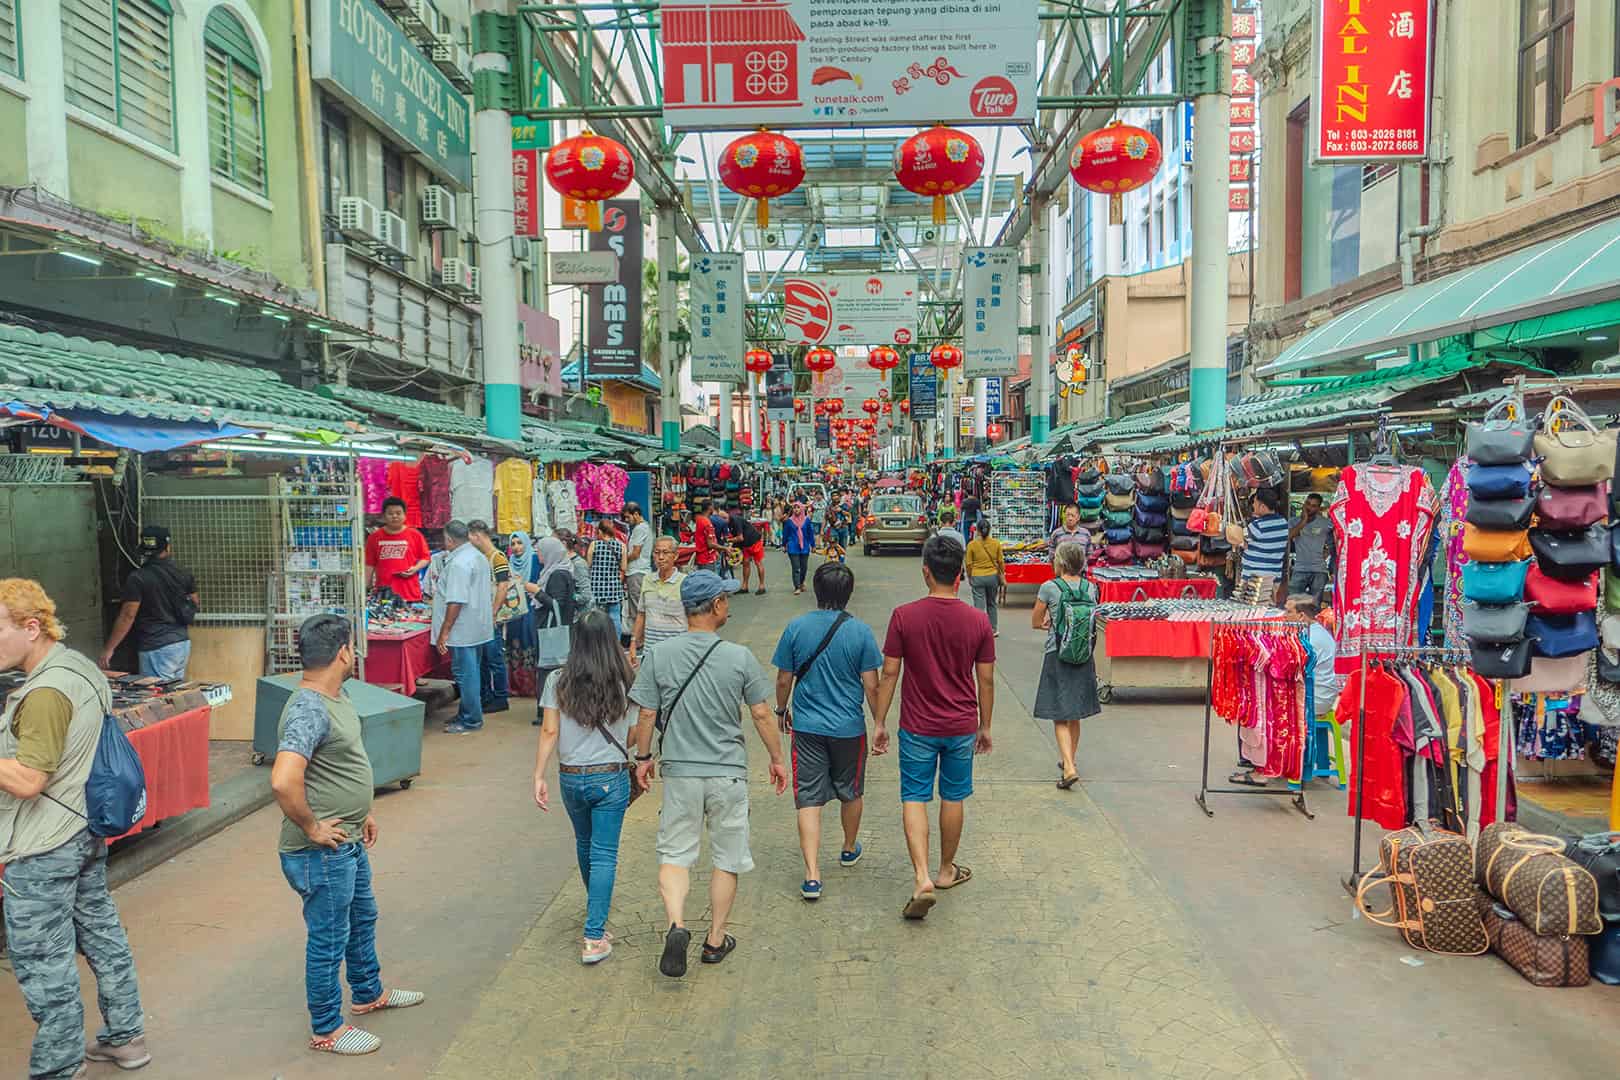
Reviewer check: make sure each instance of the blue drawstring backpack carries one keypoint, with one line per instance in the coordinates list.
(115, 791)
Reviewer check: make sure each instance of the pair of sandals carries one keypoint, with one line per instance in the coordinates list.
(676, 942)
(918, 907)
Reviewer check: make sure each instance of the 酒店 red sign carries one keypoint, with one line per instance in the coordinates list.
(1373, 79)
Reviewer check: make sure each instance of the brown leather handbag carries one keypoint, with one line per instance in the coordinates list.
(1496, 545)
(1528, 872)
(1429, 872)
(1543, 959)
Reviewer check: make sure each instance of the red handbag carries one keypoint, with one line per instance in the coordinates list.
(1568, 508)
(1554, 597)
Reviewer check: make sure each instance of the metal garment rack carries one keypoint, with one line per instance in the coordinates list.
(1204, 790)
(1444, 656)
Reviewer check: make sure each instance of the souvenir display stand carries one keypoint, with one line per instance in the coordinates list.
(1016, 507)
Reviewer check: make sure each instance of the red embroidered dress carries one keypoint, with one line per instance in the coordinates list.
(1382, 518)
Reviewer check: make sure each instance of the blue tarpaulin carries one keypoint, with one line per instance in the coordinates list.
(144, 435)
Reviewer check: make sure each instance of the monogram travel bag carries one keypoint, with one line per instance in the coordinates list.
(1429, 874)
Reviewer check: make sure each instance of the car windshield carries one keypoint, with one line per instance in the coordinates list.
(896, 504)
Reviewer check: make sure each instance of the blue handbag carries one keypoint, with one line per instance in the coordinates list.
(1499, 481)
(1562, 635)
(1495, 583)
(1089, 502)
(1118, 536)
(1153, 504)
(1148, 517)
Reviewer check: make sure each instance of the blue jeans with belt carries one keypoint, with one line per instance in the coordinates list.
(596, 803)
(466, 667)
(340, 914)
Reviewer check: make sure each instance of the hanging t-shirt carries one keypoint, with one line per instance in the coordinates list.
(514, 490)
(472, 490)
(404, 482)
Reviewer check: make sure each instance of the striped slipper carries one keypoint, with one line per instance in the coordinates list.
(391, 999)
(348, 1041)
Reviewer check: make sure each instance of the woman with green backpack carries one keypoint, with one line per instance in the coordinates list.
(1064, 608)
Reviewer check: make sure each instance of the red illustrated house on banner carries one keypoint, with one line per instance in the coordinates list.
(720, 54)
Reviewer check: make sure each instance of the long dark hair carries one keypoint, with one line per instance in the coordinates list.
(594, 685)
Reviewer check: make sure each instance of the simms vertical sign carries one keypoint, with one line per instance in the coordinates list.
(1373, 77)
(613, 347)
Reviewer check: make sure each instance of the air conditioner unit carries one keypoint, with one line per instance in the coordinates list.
(395, 235)
(416, 19)
(452, 58)
(455, 275)
(438, 207)
(474, 284)
(357, 219)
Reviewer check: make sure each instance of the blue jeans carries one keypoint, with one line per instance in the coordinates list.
(923, 757)
(167, 662)
(340, 913)
(616, 613)
(596, 803)
(492, 672)
(466, 666)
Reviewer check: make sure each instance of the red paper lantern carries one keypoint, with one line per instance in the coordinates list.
(1115, 159)
(590, 168)
(993, 431)
(757, 360)
(820, 359)
(884, 358)
(762, 166)
(870, 405)
(888, 408)
(798, 406)
(905, 407)
(945, 356)
(835, 406)
(869, 425)
(938, 162)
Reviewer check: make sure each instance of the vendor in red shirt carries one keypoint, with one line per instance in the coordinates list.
(704, 537)
(396, 554)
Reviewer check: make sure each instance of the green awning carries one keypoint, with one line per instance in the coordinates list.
(1557, 275)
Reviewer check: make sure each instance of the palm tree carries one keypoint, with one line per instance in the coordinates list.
(651, 341)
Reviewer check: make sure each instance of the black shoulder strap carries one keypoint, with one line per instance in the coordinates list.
(613, 740)
(666, 715)
(832, 631)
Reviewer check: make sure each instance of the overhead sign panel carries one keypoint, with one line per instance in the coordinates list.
(613, 347)
(717, 317)
(924, 390)
(1373, 80)
(831, 63)
(989, 312)
(583, 267)
(850, 309)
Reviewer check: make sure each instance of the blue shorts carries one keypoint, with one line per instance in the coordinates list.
(922, 757)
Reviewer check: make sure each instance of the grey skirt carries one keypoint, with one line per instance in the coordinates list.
(1066, 691)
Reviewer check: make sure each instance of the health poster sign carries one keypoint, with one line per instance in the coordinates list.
(989, 312)
(924, 388)
(613, 346)
(717, 317)
(850, 309)
(831, 63)
(1373, 79)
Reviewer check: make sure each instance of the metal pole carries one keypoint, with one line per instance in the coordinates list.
(947, 413)
(1040, 368)
(726, 444)
(492, 135)
(754, 428)
(669, 396)
(981, 407)
(1211, 187)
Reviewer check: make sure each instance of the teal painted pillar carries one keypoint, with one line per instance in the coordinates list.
(672, 435)
(1040, 427)
(727, 447)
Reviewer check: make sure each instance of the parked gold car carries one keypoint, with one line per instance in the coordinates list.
(896, 521)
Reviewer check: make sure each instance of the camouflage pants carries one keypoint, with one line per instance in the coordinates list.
(57, 904)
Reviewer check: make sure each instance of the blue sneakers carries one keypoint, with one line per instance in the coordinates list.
(811, 890)
(850, 858)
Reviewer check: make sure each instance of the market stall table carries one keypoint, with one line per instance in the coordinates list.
(1123, 592)
(399, 658)
(174, 755)
(1152, 653)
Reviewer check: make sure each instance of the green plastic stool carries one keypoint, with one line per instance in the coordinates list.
(1336, 747)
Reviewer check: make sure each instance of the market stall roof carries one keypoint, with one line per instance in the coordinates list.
(1556, 275)
(1144, 423)
(68, 374)
(648, 379)
(428, 416)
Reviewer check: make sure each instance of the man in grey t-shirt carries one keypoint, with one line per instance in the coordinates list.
(638, 553)
(705, 759)
(1312, 535)
(463, 620)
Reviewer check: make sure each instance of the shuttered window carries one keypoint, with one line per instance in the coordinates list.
(235, 104)
(117, 64)
(10, 39)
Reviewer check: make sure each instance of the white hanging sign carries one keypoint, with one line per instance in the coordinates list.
(717, 318)
(989, 312)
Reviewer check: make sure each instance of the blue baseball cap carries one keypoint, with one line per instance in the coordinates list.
(701, 586)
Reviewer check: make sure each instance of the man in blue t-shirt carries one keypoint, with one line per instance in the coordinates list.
(828, 726)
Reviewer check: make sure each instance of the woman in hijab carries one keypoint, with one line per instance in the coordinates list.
(520, 634)
(799, 538)
(552, 593)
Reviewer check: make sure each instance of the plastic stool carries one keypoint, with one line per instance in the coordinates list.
(1325, 754)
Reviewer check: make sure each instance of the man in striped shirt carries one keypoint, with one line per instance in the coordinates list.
(1266, 541)
(661, 615)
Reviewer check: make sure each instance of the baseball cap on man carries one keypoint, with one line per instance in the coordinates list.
(701, 586)
(154, 540)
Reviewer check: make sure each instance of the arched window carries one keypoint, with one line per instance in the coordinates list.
(117, 60)
(235, 103)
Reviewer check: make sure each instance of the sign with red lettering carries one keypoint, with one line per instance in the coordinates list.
(1237, 200)
(1241, 169)
(1241, 141)
(1243, 54)
(526, 193)
(1242, 113)
(1373, 80)
(1244, 24)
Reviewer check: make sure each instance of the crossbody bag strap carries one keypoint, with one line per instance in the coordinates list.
(613, 740)
(669, 713)
(832, 632)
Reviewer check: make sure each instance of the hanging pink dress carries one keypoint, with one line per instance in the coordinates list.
(1382, 518)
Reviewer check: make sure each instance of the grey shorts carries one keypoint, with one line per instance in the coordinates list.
(632, 600)
(690, 803)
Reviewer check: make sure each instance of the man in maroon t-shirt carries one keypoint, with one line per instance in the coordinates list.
(949, 654)
(396, 554)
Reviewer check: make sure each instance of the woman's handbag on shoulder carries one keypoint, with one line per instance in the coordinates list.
(553, 642)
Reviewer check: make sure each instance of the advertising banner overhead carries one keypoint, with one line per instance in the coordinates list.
(1373, 80)
(834, 63)
(613, 347)
(779, 390)
(851, 379)
(924, 389)
(717, 317)
(989, 312)
(850, 309)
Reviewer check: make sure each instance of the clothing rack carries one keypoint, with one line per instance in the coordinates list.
(1204, 790)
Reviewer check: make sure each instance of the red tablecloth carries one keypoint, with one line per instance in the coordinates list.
(1123, 592)
(1157, 637)
(399, 659)
(174, 753)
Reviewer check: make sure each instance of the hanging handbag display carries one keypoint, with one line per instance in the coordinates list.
(1558, 636)
(1150, 480)
(1148, 517)
(1506, 660)
(1499, 481)
(1494, 583)
(1571, 555)
(1120, 484)
(1573, 451)
(1142, 550)
(1117, 519)
(1118, 553)
(1494, 624)
(1185, 543)
(1088, 476)
(1495, 546)
(1497, 440)
(1153, 504)
(1184, 500)
(1556, 596)
(1117, 535)
(1572, 507)
(1178, 527)
(1550, 675)
(1111, 501)
(1147, 534)
(1090, 491)
(1529, 873)
(1501, 513)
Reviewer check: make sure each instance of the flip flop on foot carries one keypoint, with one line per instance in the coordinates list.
(1069, 780)
(960, 875)
(673, 962)
(713, 954)
(918, 907)
(1246, 778)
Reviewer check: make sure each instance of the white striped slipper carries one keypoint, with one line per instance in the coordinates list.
(348, 1041)
(391, 999)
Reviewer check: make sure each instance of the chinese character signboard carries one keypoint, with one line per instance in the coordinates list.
(833, 63)
(613, 346)
(989, 312)
(360, 54)
(526, 193)
(924, 388)
(1243, 139)
(540, 352)
(823, 433)
(717, 317)
(850, 309)
(1372, 80)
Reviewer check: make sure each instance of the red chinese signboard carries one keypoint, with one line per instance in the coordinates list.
(526, 193)
(1242, 113)
(1242, 53)
(1242, 141)
(1237, 200)
(1244, 24)
(1372, 80)
(1241, 169)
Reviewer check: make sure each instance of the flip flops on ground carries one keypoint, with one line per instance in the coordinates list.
(959, 875)
(1069, 781)
(918, 907)
(1246, 778)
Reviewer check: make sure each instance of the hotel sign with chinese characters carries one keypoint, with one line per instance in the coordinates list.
(1373, 80)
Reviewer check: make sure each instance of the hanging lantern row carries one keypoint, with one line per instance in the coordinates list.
(870, 406)
(938, 162)
(905, 407)
(799, 406)
(590, 168)
(883, 358)
(820, 359)
(1113, 160)
(762, 166)
(757, 361)
(945, 356)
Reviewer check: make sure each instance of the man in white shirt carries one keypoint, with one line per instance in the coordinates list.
(638, 552)
(463, 620)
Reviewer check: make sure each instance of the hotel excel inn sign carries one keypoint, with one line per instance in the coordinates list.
(361, 55)
(1374, 68)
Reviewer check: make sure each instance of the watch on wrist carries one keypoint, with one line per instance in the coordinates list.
(782, 711)
(644, 757)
